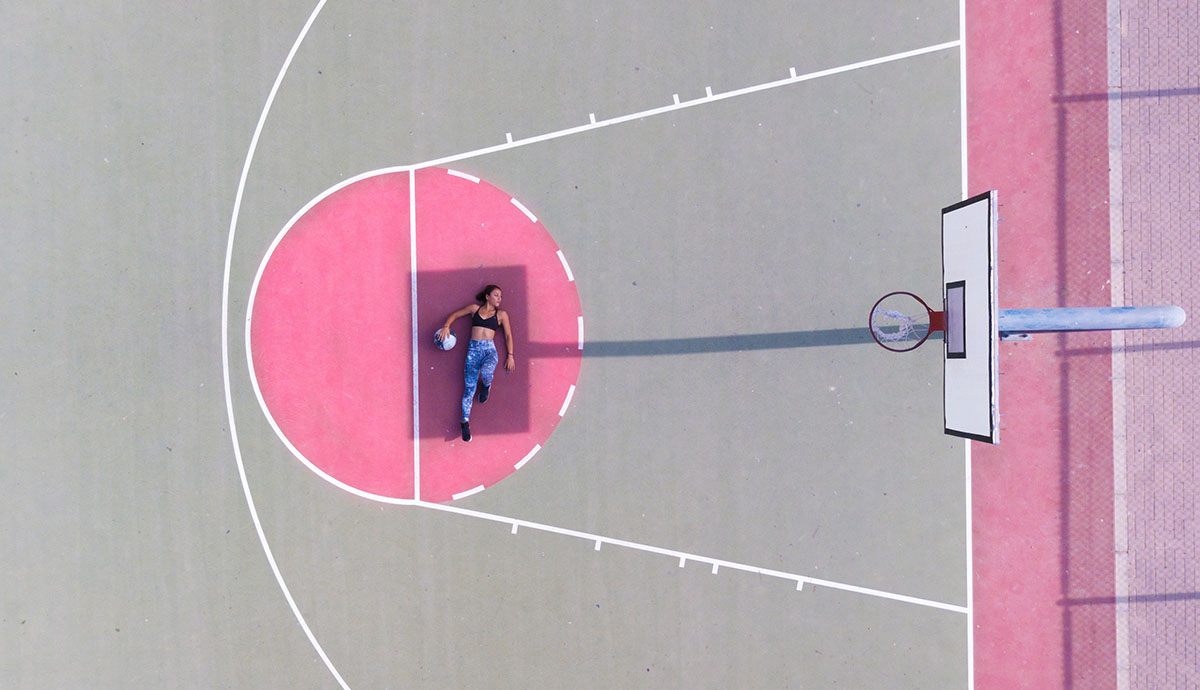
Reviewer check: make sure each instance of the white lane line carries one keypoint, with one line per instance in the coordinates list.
(715, 566)
(237, 452)
(412, 253)
(468, 492)
(508, 137)
(597, 544)
(677, 105)
(675, 97)
(464, 175)
(262, 403)
(799, 585)
(708, 92)
(570, 392)
(566, 267)
(514, 529)
(581, 333)
(527, 212)
(792, 72)
(527, 457)
(685, 557)
(592, 118)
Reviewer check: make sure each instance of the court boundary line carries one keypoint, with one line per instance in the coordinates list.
(968, 535)
(510, 143)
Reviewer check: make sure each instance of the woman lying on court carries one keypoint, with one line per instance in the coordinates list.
(481, 352)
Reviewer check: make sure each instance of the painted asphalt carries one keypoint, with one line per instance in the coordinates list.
(744, 492)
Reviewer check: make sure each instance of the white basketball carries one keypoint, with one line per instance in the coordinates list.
(447, 344)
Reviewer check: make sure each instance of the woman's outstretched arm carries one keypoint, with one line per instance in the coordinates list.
(470, 308)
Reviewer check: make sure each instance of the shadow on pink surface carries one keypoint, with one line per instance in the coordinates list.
(441, 373)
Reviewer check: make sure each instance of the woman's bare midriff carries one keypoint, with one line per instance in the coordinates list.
(481, 333)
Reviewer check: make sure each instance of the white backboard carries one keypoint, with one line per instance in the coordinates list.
(972, 337)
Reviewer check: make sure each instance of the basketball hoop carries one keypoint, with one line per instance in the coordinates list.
(901, 322)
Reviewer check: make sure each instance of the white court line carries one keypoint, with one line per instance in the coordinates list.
(970, 549)
(592, 118)
(566, 267)
(962, 93)
(567, 402)
(970, 556)
(580, 332)
(528, 457)
(464, 175)
(708, 92)
(412, 250)
(677, 105)
(249, 350)
(237, 452)
(468, 492)
(527, 212)
(685, 557)
(1116, 238)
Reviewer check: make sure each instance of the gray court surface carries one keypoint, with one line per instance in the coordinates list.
(730, 405)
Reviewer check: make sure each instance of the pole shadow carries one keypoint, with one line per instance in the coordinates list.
(1132, 599)
(828, 337)
(1132, 349)
(1129, 95)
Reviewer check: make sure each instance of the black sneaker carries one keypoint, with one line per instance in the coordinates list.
(484, 392)
(466, 430)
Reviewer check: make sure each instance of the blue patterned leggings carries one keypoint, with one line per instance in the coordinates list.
(481, 365)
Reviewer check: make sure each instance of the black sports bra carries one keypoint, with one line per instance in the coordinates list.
(492, 322)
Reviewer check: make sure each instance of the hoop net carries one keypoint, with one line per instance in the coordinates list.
(900, 321)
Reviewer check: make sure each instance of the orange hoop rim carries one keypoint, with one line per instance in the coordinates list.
(934, 321)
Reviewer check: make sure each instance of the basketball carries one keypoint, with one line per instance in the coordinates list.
(446, 344)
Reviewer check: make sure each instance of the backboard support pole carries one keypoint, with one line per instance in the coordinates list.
(1016, 322)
